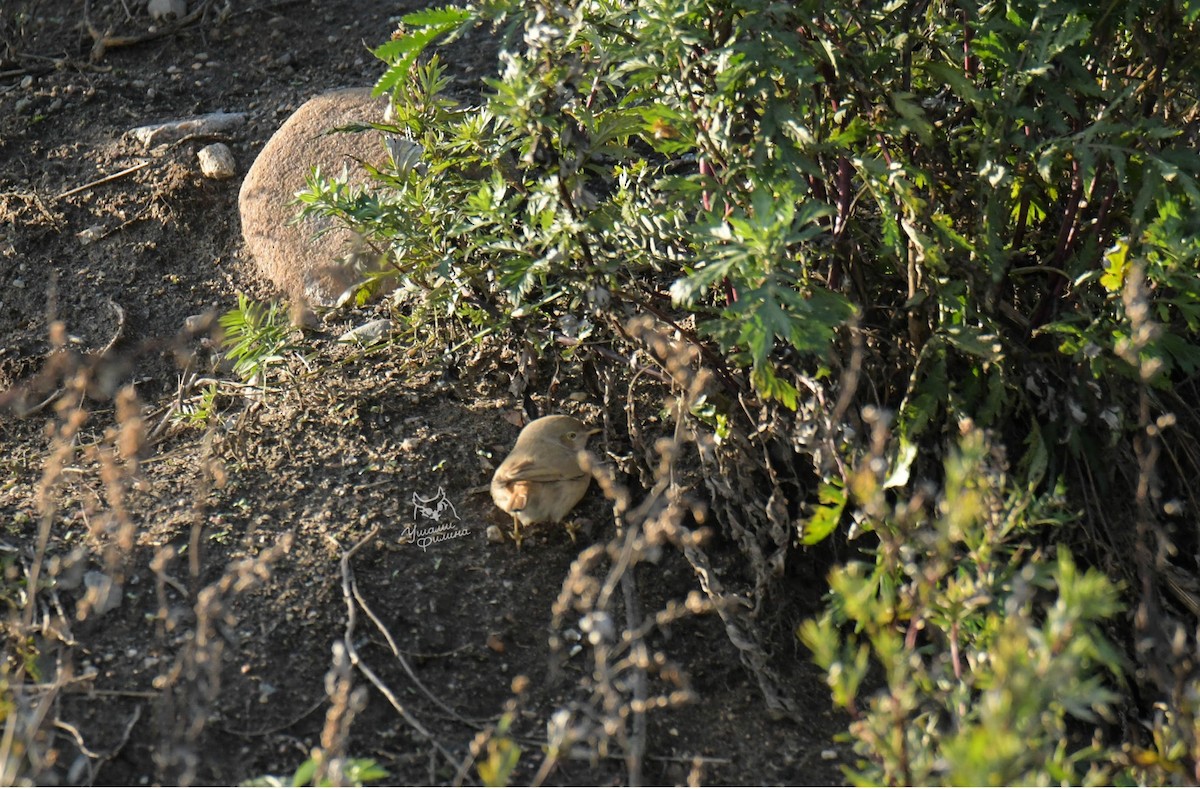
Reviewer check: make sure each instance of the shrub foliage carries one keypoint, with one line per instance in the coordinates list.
(980, 218)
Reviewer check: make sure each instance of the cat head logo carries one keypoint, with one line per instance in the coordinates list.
(436, 508)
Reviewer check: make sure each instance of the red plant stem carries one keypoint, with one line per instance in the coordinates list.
(845, 195)
(731, 295)
(1099, 227)
(1070, 216)
(818, 189)
(883, 149)
(1022, 219)
(844, 173)
(1066, 235)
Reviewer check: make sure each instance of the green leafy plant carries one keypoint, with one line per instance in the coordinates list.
(979, 217)
(201, 412)
(499, 755)
(356, 772)
(774, 175)
(994, 661)
(256, 336)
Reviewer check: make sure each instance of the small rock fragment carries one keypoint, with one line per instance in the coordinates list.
(167, 9)
(170, 131)
(103, 593)
(368, 333)
(216, 161)
(91, 234)
(199, 323)
(494, 534)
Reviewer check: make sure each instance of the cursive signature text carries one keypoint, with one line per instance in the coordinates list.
(425, 536)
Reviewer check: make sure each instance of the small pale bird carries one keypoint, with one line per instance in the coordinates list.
(540, 481)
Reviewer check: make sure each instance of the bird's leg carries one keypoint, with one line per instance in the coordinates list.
(572, 528)
(516, 532)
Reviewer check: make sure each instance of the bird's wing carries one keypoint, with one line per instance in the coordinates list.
(529, 470)
(519, 498)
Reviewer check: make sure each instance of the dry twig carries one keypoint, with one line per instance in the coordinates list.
(106, 179)
(361, 665)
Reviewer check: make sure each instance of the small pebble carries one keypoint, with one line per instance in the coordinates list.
(103, 592)
(194, 324)
(167, 9)
(92, 234)
(216, 161)
(368, 333)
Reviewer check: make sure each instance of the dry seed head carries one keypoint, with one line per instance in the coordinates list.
(132, 426)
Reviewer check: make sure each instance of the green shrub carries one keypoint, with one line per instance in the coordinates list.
(995, 662)
(976, 214)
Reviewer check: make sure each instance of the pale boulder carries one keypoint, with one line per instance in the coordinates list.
(304, 260)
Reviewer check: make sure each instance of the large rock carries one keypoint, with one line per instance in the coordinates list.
(302, 263)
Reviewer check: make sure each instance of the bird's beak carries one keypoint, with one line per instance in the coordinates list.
(594, 432)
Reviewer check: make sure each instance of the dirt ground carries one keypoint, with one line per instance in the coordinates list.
(187, 675)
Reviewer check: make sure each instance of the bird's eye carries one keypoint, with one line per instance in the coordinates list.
(571, 435)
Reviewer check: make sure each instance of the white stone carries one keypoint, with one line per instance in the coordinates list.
(216, 161)
(103, 592)
(91, 234)
(167, 9)
(368, 333)
(170, 131)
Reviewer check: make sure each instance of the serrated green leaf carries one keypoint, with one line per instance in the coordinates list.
(975, 341)
(1036, 459)
(954, 77)
(1116, 266)
(825, 518)
(899, 473)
